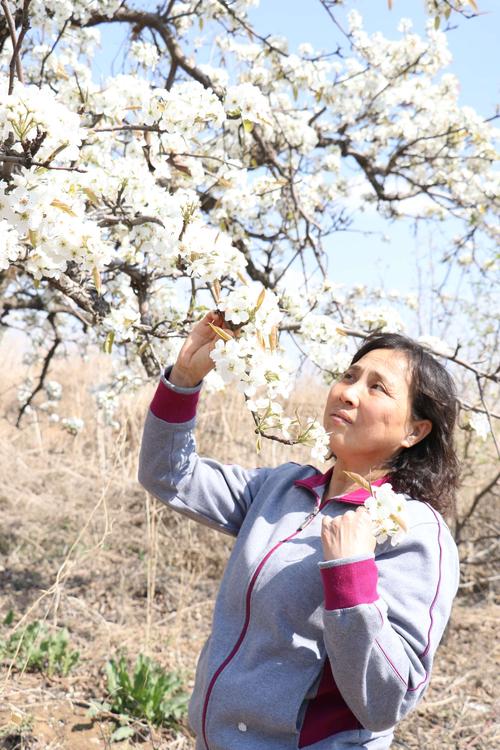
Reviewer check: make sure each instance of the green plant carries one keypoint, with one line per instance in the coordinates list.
(36, 649)
(149, 692)
(17, 732)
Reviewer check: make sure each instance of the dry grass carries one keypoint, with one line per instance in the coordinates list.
(80, 546)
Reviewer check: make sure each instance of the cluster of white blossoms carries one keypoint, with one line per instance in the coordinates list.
(248, 102)
(388, 513)
(145, 53)
(445, 7)
(325, 345)
(30, 115)
(242, 361)
(480, 423)
(54, 391)
(380, 318)
(251, 303)
(186, 108)
(253, 360)
(123, 380)
(123, 314)
(270, 418)
(46, 13)
(209, 253)
(9, 244)
(49, 214)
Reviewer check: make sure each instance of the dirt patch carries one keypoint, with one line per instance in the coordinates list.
(460, 710)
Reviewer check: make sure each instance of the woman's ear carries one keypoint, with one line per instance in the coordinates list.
(419, 430)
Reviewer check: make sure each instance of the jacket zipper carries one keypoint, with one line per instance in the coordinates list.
(308, 519)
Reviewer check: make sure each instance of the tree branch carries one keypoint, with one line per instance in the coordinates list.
(45, 368)
(159, 24)
(15, 62)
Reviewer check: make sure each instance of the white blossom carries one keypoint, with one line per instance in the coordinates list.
(10, 247)
(73, 425)
(317, 439)
(480, 424)
(30, 112)
(388, 513)
(145, 53)
(380, 318)
(247, 101)
(53, 390)
(209, 252)
(436, 344)
(251, 302)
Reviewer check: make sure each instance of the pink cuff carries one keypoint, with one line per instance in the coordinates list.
(350, 584)
(172, 406)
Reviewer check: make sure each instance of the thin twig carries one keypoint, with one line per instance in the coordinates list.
(51, 50)
(481, 396)
(15, 62)
(475, 503)
(43, 374)
(24, 160)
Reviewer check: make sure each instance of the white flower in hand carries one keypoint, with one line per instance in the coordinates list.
(388, 513)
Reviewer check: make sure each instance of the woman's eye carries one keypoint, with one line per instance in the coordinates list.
(379, 386)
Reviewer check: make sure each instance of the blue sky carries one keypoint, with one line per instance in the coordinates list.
(474, 45)
(474, 42)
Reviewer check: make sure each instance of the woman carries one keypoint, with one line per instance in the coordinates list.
(321, 638)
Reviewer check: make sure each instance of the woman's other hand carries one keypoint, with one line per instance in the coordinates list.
(347, 535)
(194, 361)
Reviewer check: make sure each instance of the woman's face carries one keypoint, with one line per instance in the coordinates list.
(368, 411)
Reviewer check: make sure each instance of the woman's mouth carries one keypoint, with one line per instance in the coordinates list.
(341, 417)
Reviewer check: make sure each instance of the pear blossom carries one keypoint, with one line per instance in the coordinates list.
(480, 424)
(53, 390)
(244, 362)
(73, 425)
(10, 247)
(437, 345)
(252, 302)
(317, 439)
(31, 111)
(325, 345)
(248, 102)
(145, 53)
(380, 318)
(388, 513)
(209, 252)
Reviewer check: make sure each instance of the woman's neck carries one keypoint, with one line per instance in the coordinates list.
(340, 483)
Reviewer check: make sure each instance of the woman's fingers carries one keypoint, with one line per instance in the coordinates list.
(194, 361)
(347, 535)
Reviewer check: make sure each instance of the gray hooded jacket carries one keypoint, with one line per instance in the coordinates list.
(303, 653)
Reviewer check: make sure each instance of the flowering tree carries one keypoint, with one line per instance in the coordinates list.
(130, 208)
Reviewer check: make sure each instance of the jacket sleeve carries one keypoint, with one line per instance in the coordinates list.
(214, 494)
(384, 619)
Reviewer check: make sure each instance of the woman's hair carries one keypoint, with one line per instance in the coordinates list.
(428, 470)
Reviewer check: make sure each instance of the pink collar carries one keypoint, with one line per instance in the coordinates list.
(357, 497)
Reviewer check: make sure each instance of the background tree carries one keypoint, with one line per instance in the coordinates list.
(130, 208)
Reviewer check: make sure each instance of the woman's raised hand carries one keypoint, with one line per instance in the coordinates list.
(194, 361)
(347, 535)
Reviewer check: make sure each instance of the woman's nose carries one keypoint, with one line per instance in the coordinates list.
(350, 394)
